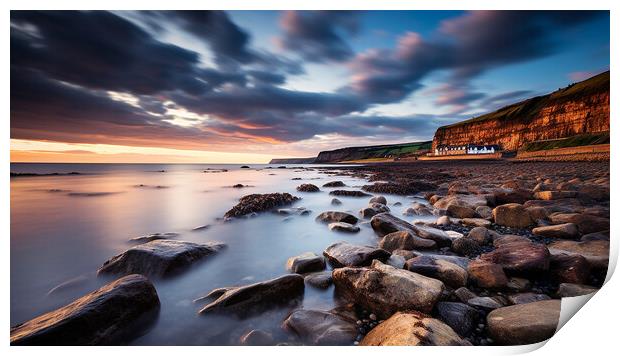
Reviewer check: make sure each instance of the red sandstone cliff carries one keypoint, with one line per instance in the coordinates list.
(581, 108)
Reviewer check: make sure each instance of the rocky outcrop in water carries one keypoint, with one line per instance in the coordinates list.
(255, 203)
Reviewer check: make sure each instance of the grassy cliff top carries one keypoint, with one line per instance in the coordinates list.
(527, 109)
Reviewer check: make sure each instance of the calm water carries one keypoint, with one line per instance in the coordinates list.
(57, 236)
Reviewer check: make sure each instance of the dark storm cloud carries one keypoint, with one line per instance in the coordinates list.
(319, 36)
(467, 46)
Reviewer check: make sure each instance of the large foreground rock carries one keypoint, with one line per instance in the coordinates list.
(255, 203)
(412, 329)
(344, 254)
(385, 290)
(158, 258)
(317, 327)
(111, 315)
(520, 258)
(524, 323)
(249, 299)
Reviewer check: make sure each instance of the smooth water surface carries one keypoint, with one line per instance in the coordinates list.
(64, 227)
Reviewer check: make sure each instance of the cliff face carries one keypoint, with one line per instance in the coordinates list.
(369, 152)
(292, 160)
(578, 109)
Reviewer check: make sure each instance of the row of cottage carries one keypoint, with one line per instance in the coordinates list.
(469, 149)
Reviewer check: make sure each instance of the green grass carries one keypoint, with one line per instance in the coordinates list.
(527, 109)
(574, 141)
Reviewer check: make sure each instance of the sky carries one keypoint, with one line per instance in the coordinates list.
(248, 86)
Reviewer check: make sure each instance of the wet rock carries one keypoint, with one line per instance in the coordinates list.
(594, 236)
(344, 254)
(306, 262)
(486, 303)
(506, 196)
(451, 274)
(484, 212)
(385, 223)
(460, 317)
(317, 327)
(334, 184)
(443, 221)
(96, 318)
(512, 215)
(155, 236)
(246, 300)
(255, 203)
(328, 217)
(465, 247)
(343, 227)
(524, 323)
(320, 280)
(463, 294)
(374, 209)
(293, 211)
(309, 188)
(336, 201)
(586, 223)
(517, 284)
(567, 268)
(385, 290)
(482, 236)
(475, 222)
(378, 199)
(595, 252)
(487, 275)
(400, 188)
(553, 195)
(257, 338)
(520, 258)
(523, 298)
(396, 261)
(349, 193)
(418, 209)
(505, 239)
(573, 290)
(412, 329)
(538, 213)
(406, 254)
(404, 240)
(561, 231)
(159, 258)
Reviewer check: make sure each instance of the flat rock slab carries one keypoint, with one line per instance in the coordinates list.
(111, 315)
(306, 262)
(512, 215)
(524, 323)
(520, 257)
(345, 254)
(413, 329)
(451, 274)
(595, 252)
(158, 258)
(317, 327)
(386, 223)
(561, 231)
(255, 203)
(329, 217)
(250, 299)
(385, 290)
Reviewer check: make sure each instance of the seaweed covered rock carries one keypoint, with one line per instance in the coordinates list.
(307, 187)
(255, 203)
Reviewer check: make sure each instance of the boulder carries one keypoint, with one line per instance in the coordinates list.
(512, 215)
(374, 209)
(499, 240)
(378, 199)
(561, 231)
(476, 222)
(524, 324)
(306, 262)
(595, 252)
(412, 329)
(317, 327)
(396, 261)
(443, 221)
(451, 274)
(345, 254)
(460, 317)
(463, 294)
(486, 303)
(465, 247)
(484, 212)
(482, 235)
(567, 290)
(334, 184)
(255, 203)
(309, 188)
(385, 223)
(586, 223)
(321, 280)
(336, 201)
(385, 290)
(520, 258)
(158, 258)
(566, 268)
(487, 275)
(257, 338)
(114, 314)
(343, 227)
(246, 300)
(329, 217)
(461, 205)
(593, 236)
(404, 240)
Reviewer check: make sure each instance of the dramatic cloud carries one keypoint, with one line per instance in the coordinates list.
(318, 36)
(467, 46)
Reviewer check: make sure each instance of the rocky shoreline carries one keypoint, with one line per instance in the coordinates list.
(509, 240)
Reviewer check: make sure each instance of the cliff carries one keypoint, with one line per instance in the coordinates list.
(581, 108)
(372, 152)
